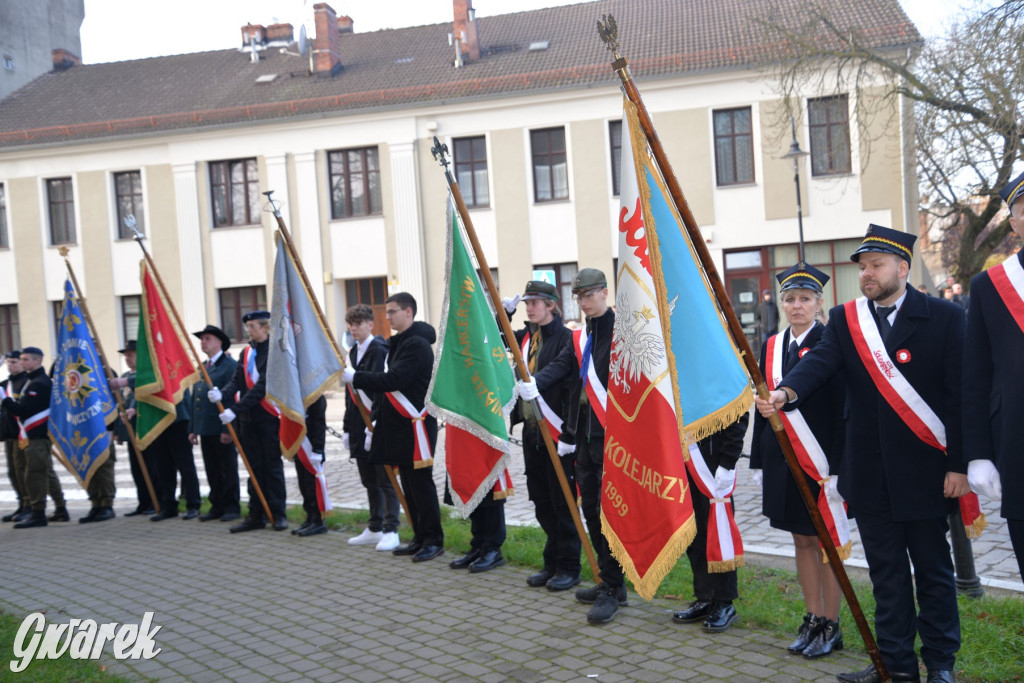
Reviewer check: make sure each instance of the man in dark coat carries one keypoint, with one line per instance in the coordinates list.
(9, 433)
(219, 455)
(766, 317)
(994, 379)
(542, 339)
(31, 409)
(400, 414)
(259, 424)
(121, 435)
(316, 433)
(900, 352)
(583, 432)
(367, 355)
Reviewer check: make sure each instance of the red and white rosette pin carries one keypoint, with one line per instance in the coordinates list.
(903, 356)
(801, 352)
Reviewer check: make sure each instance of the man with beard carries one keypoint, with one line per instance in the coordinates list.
(900, 354)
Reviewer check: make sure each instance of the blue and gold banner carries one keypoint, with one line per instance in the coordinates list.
(81, 405)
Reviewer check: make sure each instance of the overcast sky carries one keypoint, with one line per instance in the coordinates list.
(116, 30)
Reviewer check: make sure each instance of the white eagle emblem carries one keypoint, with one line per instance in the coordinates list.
(636, 350)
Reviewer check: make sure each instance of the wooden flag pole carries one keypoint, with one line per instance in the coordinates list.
(609, 34)
(440, 152)
(287, 237)
(111, 375)
(130, 222)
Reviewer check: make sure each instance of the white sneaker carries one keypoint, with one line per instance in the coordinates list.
(366, 538)
(388, 541)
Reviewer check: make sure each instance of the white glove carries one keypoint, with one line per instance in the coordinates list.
(725, 480)
(347, 374)
(227, 416)
(214, 395)
(316, 458)
(3, 394)
(367, 441)
(510, 302)
(983, 477)
(566, 448)
(344, 441)
(528, 390)
(756, 477)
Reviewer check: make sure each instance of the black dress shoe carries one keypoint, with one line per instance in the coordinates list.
(191, 513)
(229, 516)
(428, 552)
(23, 515)
(280, 524)
(248, 524)
(827, 637)
(60, 515)
(210, 516)
(410, 548)
(804, 635)
(870, 675)
(10, 517)
(313, 529)
(941, 676)
(91, 517)
(540, 578)
(723, 615)
(464, 561)
(492, 559)
(163, 514)
(562, 581)
(105, 514)
(697, 611)
(34, 518)
(588, 596)
(304, 525)
(138, 511)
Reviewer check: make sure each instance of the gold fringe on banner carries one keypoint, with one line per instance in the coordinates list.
(647, 585)
(974, 529)
(726, 565)
(843, 551)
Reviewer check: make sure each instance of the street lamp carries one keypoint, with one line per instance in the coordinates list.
(795, 153)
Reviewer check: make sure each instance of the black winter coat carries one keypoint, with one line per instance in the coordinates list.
(373, 361)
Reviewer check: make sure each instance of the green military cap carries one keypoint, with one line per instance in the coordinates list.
(588, 278)
(538, 289)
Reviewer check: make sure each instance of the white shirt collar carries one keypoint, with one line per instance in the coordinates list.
(800, 340)
(899, 304)
(361, 348)
(213, 359)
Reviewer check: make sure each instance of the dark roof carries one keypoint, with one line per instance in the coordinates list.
(413, 66)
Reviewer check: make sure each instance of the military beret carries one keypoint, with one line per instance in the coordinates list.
(256, 315)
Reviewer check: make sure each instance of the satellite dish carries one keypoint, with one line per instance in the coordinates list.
(303, 41)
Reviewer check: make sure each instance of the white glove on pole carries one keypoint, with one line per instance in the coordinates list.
(528, 390)
(3, 394)
(725, 480)
(566, 448)
(316, 458)
(509, 303)
(367, 441)
(983, 477)
(227, 416)
(756, 477)
(214, 395)
(344, 441)
(347, 374)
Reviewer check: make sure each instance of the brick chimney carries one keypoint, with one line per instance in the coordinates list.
(465, 29)
(63, 60)
(282, 33)
(254, 34)
(345, 24)
(326, 57)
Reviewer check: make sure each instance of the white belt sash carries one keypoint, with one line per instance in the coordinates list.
(550, 416)
(1008, 279)
(724, 545)
(596, 392)
(422, 457)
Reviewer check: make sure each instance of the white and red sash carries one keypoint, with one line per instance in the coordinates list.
(596, 392)
(31, 423)
(503, 485)
(421, 457)
(315, 466)
(809, 453)
(550, 416)
(252, 375)
(901, 396)
(725, 547)
(1008, 279)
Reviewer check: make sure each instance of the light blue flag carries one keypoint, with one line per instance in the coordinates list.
(81, 405)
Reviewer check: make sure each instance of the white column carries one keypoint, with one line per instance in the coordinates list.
(190, 246)
(308, 216)
(409, 241)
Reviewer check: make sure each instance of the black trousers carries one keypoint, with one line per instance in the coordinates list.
(307, 487)
(487, 524)
(936, 619)
(424, 510)
(589, 469)
(141, 490)
(173, 455)
(263, 448)
(563, 545)
(221, 462)
(384, 506)
(1016, 528)
(101, 488)
(720, 586)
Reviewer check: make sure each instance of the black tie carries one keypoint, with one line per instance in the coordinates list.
(792, 353)
(884, 327)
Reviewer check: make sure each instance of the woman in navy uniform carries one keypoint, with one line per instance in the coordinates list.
(801, 296)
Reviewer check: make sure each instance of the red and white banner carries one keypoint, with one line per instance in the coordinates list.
(724, 545)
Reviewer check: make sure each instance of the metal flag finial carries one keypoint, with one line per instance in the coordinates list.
(609, 32)
(131, 224)
(273, 206)
(440, 152)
